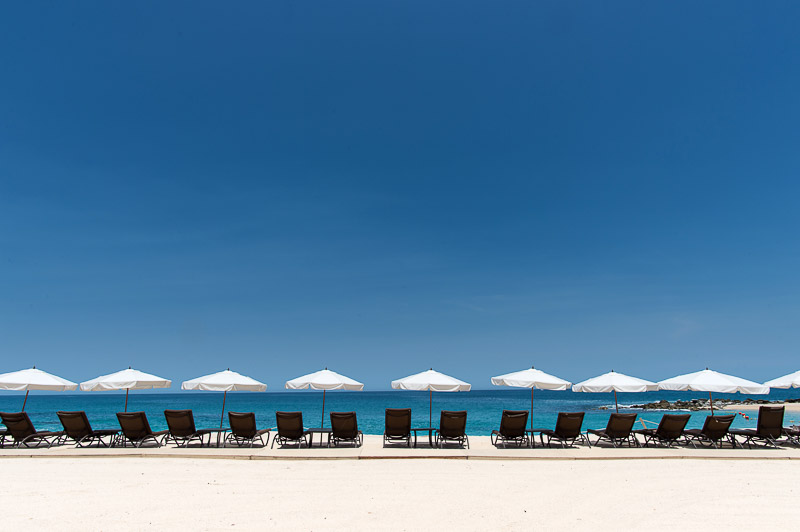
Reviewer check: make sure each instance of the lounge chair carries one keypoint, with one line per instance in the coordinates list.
(244, 430)
(181, 428)
(792, 434)
(23, 433)
(567, 431)
(512, 429)
(3, 434)
(398, 426)
(713, 433)
(290, 429)
(344, 429)
(618, 431)
(136, 430)
(669, 431)
(78, 429)
(769, 428)
(452, 428)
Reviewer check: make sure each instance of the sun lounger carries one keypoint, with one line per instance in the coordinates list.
(669, 431)
(344, 429)
(792, 434)
(512, 429)
(24, 434)
(567, 431)
(136, 430)
(618, 431)
(769, 428)
(78, 429)
(182, 431)
(714, 432)
(397, 426)
(452, 428)
(290, 429)
(244, 430)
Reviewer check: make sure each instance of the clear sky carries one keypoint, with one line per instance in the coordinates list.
(382, 187)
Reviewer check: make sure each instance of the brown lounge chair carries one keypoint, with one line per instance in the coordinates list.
(244, 431)
(78, 429)
(769, 428)
(136, 429)
(618, 431)
(567, 431)
(669, 431)
(290, 429)
(23, 433)
(512, 429)
(344, 429)
(398, 426)
(452, 428)
(714, 432)
(792, 434)
(180, 424)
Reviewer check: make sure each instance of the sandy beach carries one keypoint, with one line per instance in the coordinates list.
(790, 407)
(138, 493)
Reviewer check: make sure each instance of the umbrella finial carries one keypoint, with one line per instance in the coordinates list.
(533, 367)
(129, 367)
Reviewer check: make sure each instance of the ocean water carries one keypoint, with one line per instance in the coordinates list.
(484, 406)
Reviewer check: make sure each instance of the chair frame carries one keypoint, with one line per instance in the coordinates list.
(335, 440)
(498, 436)
(34, 439)
(657, 436)
(184, 441)
(93, 436)
(608, 434)
(565, 441)
(122, 439)
(704, 437)
(283, 440)
(761, 434)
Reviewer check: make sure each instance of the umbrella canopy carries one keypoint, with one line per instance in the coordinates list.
(791, 380)
(224, 381)
(615, 382)
(433, 381)
(531, 378)
(127, 379)
(712, 381)
(324, 380)
(34, 379)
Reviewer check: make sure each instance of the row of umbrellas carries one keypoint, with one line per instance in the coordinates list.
(430, 380)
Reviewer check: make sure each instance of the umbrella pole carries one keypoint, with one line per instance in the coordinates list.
(222, 416)
(26, 400)
(531, 407)
(322, 424)
(711, 400)
(126, 398)
(616, 404)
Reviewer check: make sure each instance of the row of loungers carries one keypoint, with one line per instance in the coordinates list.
(135, 430)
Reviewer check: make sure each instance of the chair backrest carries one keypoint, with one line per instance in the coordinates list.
(243, 424)
(75, 424)
(568, 424)
(398, 422)
(180, 423)
(290, 425)
(770, 421)
(453, 423)
(620, 425)
(134, 425)
(344, 425)
(671, 426)
(716, 427)
(18, 424)
(513, 423)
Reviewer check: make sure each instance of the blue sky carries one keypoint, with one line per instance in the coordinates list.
(380, 188)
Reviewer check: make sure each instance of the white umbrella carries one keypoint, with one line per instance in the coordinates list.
(615, 382)
(531, 378)
(324, 380)
(791, 380)
(224, 381)
(33, 379)
(712, 381)
(433, 381)
(127, 379)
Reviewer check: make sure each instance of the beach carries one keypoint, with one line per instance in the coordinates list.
(790, 407)
(136, 493)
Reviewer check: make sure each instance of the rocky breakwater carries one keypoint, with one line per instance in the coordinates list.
(704, 404)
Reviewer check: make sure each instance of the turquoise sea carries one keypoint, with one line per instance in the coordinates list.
(484, 406)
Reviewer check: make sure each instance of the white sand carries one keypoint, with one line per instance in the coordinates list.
(134, 493)
(790, 407)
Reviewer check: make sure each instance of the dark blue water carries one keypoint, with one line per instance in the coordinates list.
(484, 406)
